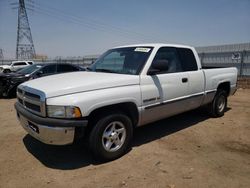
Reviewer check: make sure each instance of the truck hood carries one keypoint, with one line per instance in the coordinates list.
(69, 83)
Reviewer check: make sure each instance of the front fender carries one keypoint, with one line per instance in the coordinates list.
(92, 100)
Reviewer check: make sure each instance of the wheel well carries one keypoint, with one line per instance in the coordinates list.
(225, 86)
(128, 108)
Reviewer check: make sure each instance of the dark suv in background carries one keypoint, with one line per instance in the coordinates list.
(10, 81)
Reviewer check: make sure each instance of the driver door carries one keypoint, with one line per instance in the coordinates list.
(163, 93)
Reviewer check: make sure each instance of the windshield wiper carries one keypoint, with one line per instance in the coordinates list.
(105, 70)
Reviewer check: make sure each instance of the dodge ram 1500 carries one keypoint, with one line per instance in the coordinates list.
(127, 87)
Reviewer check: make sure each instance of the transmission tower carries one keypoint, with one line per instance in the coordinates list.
(24, 47)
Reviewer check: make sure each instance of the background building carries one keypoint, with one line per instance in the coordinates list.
(237, 55)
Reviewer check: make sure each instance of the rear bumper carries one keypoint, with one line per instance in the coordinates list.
(49, 130)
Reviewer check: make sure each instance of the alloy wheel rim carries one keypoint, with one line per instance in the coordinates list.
(114, 136)
(221, 103)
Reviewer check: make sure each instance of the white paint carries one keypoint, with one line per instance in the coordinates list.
(92, 90)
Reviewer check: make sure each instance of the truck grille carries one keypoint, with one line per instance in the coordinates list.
(32, 100)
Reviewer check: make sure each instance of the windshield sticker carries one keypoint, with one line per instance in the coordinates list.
(142, 49)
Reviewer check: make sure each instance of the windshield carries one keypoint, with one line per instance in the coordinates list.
(30, 69)
(129, 60)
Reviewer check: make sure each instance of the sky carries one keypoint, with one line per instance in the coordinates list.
(86, 27)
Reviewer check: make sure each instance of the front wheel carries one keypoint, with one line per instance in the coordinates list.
(111, 137)
(219, 104)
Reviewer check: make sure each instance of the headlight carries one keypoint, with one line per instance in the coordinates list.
(63, 111)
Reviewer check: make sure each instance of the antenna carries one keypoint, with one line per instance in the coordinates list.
(24, 47)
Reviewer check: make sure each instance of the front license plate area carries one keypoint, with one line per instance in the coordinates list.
(33, 127)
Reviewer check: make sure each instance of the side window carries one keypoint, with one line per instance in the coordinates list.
(49, 69)
(19, 64)
(75, 68)
(170, 56)
(188, 60)
(65, 68)
(30, 63)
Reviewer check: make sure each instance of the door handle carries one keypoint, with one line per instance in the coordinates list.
(184, 80)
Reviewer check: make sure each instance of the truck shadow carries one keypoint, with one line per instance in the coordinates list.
(77, 155)
(168, 126)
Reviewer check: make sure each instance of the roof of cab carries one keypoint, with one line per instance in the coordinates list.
(158, 45)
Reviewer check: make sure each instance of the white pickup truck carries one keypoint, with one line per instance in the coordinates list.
(126, 87)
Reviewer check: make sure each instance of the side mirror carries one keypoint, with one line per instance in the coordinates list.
(158, 66)
(152, 71)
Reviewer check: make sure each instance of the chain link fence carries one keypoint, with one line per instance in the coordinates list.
(84, 62)
(234, 55)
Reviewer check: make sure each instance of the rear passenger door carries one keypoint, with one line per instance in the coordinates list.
(195, 77)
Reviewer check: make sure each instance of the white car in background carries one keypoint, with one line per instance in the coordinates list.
(15, 66)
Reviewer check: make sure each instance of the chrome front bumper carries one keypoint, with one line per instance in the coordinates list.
(48, 130)
(48, 135)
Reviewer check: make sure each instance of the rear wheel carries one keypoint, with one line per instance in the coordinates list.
(219, 104)
(111, 136)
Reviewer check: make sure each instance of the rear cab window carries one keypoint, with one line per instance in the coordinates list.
(187, 58)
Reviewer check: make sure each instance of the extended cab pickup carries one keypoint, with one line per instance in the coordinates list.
(126, 87)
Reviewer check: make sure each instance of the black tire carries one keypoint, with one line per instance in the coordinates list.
(219, 104)
(97, 141)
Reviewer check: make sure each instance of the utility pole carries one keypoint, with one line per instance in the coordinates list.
(24, 47)
(242, 54)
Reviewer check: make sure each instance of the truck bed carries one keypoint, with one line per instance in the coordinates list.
(215, 76)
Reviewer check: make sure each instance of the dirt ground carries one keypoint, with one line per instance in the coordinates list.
(188, 150)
